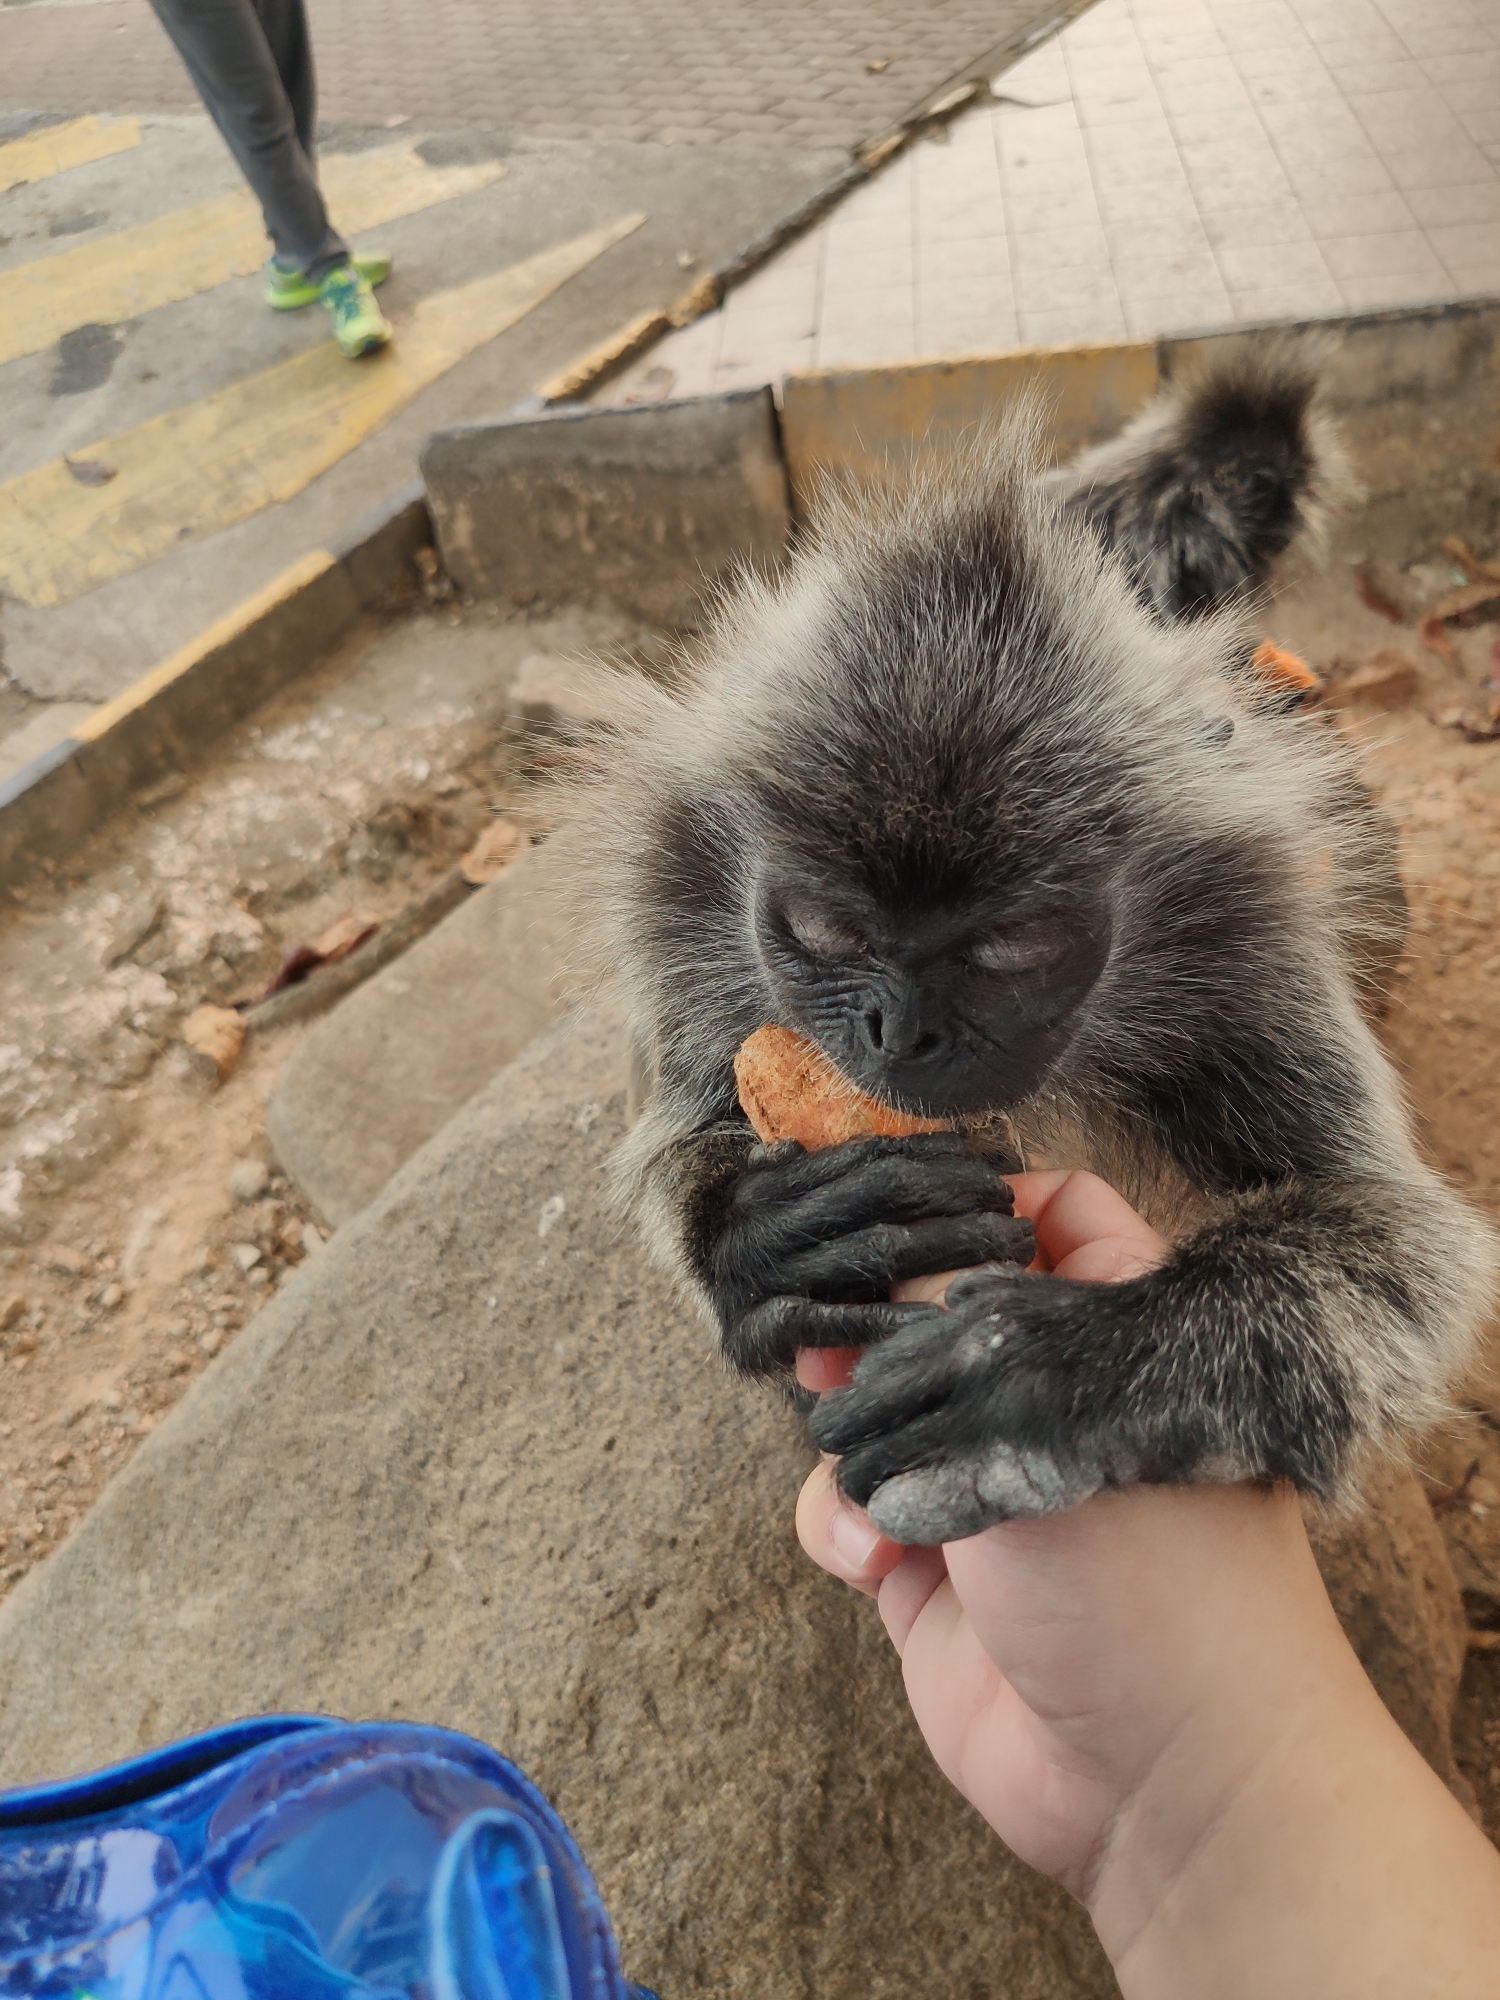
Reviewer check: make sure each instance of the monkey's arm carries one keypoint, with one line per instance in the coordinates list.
(1319, 1311)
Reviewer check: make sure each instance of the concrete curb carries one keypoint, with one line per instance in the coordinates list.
(174, 712)
(1414, 388)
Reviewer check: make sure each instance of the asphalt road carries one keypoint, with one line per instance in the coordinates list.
(171, 444)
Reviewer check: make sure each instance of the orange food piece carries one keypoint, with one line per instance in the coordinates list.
(790, 1090)
(1286, 668)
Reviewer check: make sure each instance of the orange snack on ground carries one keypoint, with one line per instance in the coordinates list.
(790, 1090)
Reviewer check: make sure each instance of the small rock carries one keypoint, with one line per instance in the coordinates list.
(247, 1255)
(247, 1180)
(10, 1311)
(502, 841)
(25, 1343)
(110, 1297)
(213, 1340)
(131, 928)
(215, 1035)
(312, 1237)
(554, 1208)
(258, 1277)
(62, 1257)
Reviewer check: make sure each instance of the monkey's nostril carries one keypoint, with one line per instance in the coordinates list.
(874, 1030)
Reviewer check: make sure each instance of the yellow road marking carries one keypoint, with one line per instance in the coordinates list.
(54, 149)
(193, 249)
(226, 456)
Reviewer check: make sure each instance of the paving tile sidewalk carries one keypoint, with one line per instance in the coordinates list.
(748, 72)
(1161, 166)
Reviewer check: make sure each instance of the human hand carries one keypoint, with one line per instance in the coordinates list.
(1027, 1769)
(1084, 1230)
(1149, 1698)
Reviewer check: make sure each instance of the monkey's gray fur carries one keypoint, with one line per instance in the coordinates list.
(981, 709)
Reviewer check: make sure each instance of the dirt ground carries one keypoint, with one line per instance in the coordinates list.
(141, 1217)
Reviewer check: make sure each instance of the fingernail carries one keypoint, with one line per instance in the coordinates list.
(854, 1536)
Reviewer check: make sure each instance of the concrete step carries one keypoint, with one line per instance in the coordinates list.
(393, 1062)
(472, 1465)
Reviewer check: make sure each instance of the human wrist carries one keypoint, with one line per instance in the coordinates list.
(1214, 1807)
(1257, 1707)
(1318, 1854)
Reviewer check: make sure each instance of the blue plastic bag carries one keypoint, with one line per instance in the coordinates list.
(294, 1857)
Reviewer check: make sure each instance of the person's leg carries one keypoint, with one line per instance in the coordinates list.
(284, 23)
(236, 70)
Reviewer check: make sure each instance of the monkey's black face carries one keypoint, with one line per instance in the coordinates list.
(940, 1014)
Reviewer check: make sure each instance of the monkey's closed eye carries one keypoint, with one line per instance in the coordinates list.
(1022, 948)
(822, 936)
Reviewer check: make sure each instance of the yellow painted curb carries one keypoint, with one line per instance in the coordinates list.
(622, 346)
(301, 573)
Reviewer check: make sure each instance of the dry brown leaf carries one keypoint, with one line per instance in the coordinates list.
(90, 471)
(1375, 598)
(1458, 550)
(501, 843)
(217, 1033)
(1469, 598)
(342, 937)
(1434, 636)
(1389, 680)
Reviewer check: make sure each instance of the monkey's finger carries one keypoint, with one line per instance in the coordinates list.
(949, 1500)
(765, 1340)
(889, 1189)
(786, 1166)
(872, 1259)
(848, 1423)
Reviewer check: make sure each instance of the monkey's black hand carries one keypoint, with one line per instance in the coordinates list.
(978, 1412)
(810, 1243)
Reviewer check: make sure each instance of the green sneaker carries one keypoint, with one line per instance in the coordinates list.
(358, 323)
(288, 290)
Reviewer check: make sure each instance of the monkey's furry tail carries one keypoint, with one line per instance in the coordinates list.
(1216, 479)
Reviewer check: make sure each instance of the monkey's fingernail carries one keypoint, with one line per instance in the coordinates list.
(854, 1535)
